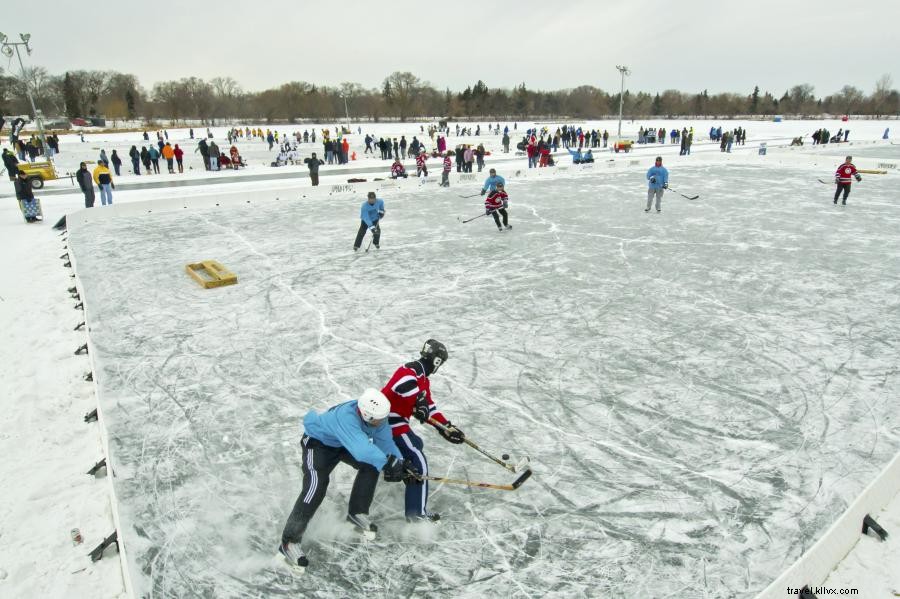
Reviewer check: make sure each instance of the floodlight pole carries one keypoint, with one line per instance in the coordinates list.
(623, 70)
(346, 110)
(37, 117)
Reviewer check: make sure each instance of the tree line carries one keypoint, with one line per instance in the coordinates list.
(402, 96)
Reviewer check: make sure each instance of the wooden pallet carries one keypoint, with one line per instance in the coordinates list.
(210, 273)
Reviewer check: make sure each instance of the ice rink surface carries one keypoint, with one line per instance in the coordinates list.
(701, 391)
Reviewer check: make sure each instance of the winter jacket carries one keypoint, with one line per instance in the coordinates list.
(657, 177)
(490, 184)
(342, 426)
(372, 213)
(102, 176)
(23, 189)
(313, 164)
(85, 181)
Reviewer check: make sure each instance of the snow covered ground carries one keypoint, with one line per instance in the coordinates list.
(701, 391)
(259, 157)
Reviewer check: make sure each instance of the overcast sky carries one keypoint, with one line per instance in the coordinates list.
(689, 45)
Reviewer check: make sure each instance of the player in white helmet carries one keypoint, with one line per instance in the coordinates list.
(354, 432)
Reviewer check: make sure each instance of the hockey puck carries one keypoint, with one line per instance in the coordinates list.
(505, 456)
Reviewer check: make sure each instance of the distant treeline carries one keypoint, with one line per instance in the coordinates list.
(402, 96)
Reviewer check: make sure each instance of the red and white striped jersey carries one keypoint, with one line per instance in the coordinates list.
(420, 160)
(495, 199)
(447, 164)
(397, 169)
(845, 173)
(401, 390)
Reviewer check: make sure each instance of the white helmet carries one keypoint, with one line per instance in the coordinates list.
(373, 405)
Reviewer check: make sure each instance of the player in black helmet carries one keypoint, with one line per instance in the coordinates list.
(409, 392)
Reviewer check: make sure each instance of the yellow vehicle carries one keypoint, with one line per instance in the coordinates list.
(38, 172)
(623, 145)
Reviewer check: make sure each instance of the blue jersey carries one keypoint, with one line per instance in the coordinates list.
(372, 213)
(660, 176)
(490, 184)
(342, 426)
(576, 154)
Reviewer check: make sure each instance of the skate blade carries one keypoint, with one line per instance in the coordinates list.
(282, 561)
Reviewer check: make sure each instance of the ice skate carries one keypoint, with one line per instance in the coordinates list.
(363, 525)
(294, 555)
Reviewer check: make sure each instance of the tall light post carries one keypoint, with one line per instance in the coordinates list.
(7, 49)
(346, 110)
(623, 70)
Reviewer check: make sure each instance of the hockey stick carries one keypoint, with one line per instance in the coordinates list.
(472, 444)
(473, 218)
(826, 182)
(368, 245)
(683, 195)
(471, 196)
(471, 483)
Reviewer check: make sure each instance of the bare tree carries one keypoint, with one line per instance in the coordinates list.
(400, 89)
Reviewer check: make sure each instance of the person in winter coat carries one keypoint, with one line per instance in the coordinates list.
(11, 163)
(213, 156)
(86, 183)
(103, 157)
(313, 163)
(479, 156)
(345, 151)
(179, 158)
(135, 160)
(460, 155)
(468, 159)
(658, 180)
(506, 143)
(103, 179)
(145, 158)
(25, 193)
(116, 162)
(203, 148)
(169, 154)
(154, 158)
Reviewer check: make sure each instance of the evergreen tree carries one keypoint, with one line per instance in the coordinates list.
(70, 97)
(754, 100)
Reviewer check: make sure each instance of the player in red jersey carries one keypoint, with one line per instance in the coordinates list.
(421, 167)
(842, 178)
(496, 203)
(409, 392)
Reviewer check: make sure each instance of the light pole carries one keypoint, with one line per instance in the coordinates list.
(624, 71)
(346, 111)
(7, 49)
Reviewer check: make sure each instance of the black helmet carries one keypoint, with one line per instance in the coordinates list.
(436, 352)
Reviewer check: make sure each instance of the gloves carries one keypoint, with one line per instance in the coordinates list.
(483, 191)
(420, 412)
(665, 186)
(653, 180)
(394, 470)
(505, 204)
(411, 472)
(452, 434)
(837, 181)
(858, 177)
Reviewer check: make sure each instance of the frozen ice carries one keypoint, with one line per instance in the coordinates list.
(701, 391)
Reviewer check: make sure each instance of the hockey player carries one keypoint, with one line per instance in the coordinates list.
(658, 180)
(842, 179)
(490, 184)
(445, 175)
(356, 433)
(370, 214)
(496, 203)
(409, 392)
(421, 167)
(397, 170)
